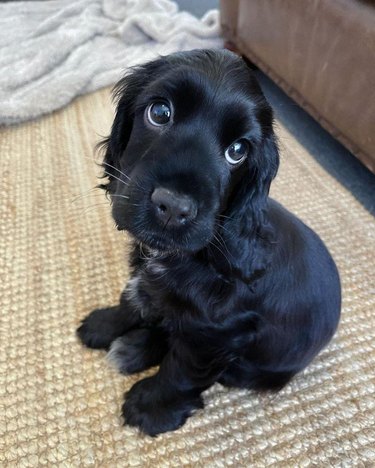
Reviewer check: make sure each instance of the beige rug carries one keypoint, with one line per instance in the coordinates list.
(61, 256)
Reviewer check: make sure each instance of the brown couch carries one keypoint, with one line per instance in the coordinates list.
(321, 52)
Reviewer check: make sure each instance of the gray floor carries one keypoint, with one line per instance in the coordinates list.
(197, 7)
(326, 150)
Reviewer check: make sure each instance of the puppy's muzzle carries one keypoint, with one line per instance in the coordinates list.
(173, 209)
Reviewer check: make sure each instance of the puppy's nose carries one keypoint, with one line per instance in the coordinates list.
(172, 208)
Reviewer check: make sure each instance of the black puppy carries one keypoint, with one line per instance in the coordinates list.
(226, 285)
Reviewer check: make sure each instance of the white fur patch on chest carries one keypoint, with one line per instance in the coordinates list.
(131, 291)
(155, 267)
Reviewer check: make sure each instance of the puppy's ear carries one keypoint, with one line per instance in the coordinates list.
(125, 94)
(263, 169)
(247, 232)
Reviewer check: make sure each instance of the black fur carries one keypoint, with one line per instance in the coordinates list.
(245, 294)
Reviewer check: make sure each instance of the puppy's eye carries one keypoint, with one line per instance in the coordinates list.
(158, 113)
(237, 151)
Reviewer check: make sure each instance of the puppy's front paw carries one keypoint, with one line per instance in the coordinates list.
(155, 410)
(137, 350)
(100, 328)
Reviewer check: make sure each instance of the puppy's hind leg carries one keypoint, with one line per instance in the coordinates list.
(242, 374)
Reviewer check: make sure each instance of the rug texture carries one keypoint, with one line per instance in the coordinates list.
(61, 257)
(52, 51)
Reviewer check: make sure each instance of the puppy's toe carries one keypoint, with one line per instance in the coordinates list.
(135, 351)
(155, 410)
(99, 328)
(122, 356)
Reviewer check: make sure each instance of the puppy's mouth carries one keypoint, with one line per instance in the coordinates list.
(162, 245)
(167, 242)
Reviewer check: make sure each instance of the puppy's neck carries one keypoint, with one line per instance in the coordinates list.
(242, 247)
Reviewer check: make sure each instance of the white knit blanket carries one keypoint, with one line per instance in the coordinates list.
(52, 51)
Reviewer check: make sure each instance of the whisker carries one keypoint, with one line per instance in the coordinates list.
(122, 173)
(230, 235)
(219, 249)
(224, 216)
(118, 170)
(87, 193)
(115, 177)
(125, 175)
(110, 165)
(120, 196)
(142, 252)
(221, 242)
(91, 207)
(113, 167)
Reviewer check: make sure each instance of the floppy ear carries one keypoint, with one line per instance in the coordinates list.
(247, 233)
(125, 94)
(263, 169)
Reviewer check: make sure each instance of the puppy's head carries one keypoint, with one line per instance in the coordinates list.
(191, 145)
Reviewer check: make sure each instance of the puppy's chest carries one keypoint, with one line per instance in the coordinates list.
(166, 279)
(171, 285)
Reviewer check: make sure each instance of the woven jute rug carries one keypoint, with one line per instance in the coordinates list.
(61, 257)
